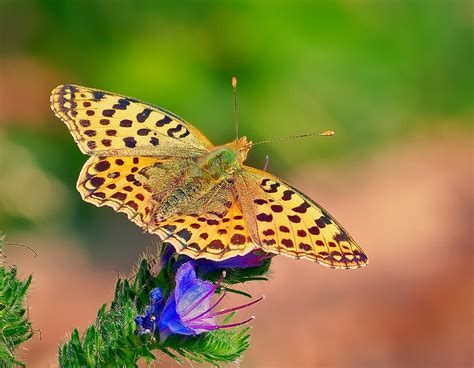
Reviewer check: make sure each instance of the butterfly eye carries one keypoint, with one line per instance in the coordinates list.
(230, 180)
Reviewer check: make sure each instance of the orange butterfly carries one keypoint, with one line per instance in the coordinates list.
(172, 181)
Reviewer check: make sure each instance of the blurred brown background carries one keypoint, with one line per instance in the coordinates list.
(393, 79)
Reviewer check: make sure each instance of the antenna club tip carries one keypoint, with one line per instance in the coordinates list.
(234, 82)
(327, 133)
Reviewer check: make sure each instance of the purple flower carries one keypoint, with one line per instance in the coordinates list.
(252, 259)
(203, 266)
(167, 251)
(148, 323)
(188, 310)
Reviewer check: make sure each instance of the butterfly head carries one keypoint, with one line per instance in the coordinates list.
(242, 145)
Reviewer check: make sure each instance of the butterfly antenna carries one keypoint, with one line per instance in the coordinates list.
(236, 114)
(326, 133)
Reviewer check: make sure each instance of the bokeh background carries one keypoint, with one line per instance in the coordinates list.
(394, 79)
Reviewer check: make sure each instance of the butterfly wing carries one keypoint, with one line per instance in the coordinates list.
(106, 124)
(207, 235)
(129, 184)
(283, 220)
(139, 151)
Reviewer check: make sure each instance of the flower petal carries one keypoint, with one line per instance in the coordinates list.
(185, 279)
(252, 259)
(192, 295)
(170, 321)
(156, 295)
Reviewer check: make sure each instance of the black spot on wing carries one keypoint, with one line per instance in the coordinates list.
(301, 208)
(287, 195)
(178, 132)
(98, 95)
(143, 131)
(237, 239)
(276, 208)
(126, 123)
(269, 185)
(142, 116)
(97, 181)
(342, 236)
(170, 228)
(184, 234)
(162, 122)
(216, 244)
(108, 113)
(273, 188)
(130, 142)
(119, 195)
(121, 104)
(265, 217)
(102, 166)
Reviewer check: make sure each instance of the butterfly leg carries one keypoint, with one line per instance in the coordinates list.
(267, 161)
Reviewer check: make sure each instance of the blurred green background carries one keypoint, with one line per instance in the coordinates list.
(378, 73)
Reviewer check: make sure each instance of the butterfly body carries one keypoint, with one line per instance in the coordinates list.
(169, 179)
(208, 174)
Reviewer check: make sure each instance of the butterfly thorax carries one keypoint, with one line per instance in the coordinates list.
(220, 163)
(211, 174)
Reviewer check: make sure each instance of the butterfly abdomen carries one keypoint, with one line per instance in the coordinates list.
(179, 198)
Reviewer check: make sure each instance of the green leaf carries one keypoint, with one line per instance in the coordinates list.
(15, 327)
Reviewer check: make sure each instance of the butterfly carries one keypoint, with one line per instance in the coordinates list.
(170, 180)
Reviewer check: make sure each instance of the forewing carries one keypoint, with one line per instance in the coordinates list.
(104, 123)
(130, 184)
(207, 235)
(283, 220)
